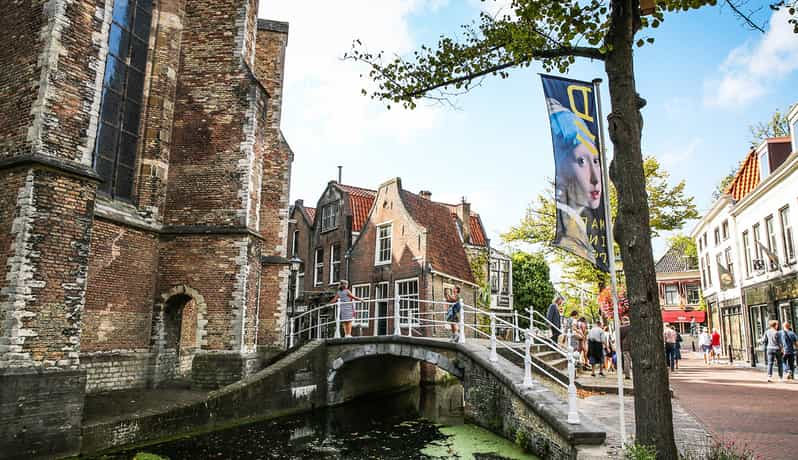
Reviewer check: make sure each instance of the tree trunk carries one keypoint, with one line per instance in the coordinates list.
(654, 417)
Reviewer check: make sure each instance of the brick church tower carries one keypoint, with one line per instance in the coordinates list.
(144, 187)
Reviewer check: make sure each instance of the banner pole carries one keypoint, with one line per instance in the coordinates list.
(605, 180)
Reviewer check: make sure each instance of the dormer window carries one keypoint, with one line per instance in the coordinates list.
(329, 217)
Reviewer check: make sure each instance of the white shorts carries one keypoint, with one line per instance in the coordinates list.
(716, 350)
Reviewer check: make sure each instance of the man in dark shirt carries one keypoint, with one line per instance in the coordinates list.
(553, 315)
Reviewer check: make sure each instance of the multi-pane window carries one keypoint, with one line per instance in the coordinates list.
(671, 294)
(123, 90)
(703, 273)
(693, 295)
(717, 236)
(756, 242)
(329, 216)
(705, 240)
(335, 263)
(709, 270)
(408, 302)
(747, 254)
(725, 229)
(383, 254)
(494, 276)
(361, 308)
(786, 234)
(505, 276)
(729, 261)
(770, 228)
(318, 263)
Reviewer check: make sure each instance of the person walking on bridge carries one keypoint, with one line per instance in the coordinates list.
(553, 315)
(454, 311)
(347, 307)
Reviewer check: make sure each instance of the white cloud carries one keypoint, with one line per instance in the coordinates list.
(675, 157)
(322, 105)
(750, 69)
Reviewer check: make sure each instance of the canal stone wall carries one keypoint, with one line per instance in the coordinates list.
(331, 372)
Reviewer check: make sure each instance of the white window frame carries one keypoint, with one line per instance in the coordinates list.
(756, 236)
(727, 254)
(787, 236)
(318, 262)
(687, 290)
(379, 251)
(409, 312)
(675, 293)
(329, 216)
(361, 308)
(335, 263)
(294, 242)
(724, 230)
(505, 277)
(773, 244)
(747, 254)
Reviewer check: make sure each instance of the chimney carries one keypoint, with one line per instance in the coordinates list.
(340, 168)
(426, 194)
(464, 216)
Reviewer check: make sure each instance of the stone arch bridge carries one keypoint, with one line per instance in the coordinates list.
(333, 371)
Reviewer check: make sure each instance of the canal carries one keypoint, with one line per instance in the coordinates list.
(421, 423)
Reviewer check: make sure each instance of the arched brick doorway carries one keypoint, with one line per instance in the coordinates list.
(178, 332)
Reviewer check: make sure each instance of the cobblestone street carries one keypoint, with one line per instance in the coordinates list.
(737, 404)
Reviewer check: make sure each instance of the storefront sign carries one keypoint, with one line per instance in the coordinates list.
(757, 295)
(785, 288)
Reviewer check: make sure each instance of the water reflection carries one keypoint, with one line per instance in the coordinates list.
(423, 423)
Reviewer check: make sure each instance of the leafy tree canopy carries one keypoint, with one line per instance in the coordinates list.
(686, 245)
(777, 126)
(531, 283)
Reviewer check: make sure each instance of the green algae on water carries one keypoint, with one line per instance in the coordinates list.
(467, 442)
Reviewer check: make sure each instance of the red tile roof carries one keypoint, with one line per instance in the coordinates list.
(360, 200)
(477, 233)
(445, 251)
(311, 212)
(746, 179)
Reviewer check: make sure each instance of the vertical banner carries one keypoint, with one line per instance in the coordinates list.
(578, 189)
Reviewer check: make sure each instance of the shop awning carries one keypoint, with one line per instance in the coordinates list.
(679, 316)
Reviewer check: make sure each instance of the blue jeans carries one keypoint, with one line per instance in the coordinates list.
(670, 354)
(774, 356)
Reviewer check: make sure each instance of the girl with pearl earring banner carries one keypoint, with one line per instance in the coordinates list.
(578, 188)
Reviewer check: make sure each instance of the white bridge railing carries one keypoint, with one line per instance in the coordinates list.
(410, 316)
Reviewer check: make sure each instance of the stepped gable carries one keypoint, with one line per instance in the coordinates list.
(360, 201)
(444, 249)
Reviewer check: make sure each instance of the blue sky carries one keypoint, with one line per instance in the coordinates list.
(706, 79)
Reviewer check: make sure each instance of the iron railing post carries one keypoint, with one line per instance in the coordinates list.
(461, 338)
(573, 414)
(516, 337)
(493, 357)
(337, 334)
(396, 329)
(291, 334)
(528, 358)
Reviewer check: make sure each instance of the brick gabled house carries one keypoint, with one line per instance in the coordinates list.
(679, 286)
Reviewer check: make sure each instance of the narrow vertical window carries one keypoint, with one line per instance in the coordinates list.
(747, 254)
(335, 263)
(295, 243)
(318, 274)
(786, 234)
(770, 228)
(123, 90)
(383, 253)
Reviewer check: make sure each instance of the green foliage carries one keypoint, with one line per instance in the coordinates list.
(685, 244)
(531, 283)
(724, 182)
(639, 452)
(669, 207)
(777, 126)
(148, 456)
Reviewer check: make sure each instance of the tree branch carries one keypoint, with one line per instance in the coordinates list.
(745, 18)
(579, 51)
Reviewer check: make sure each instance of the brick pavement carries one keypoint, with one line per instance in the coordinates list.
(737, 404)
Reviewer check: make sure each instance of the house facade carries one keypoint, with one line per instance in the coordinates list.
(390, 242)
(143, 203)
(752, 224)
(679, 286)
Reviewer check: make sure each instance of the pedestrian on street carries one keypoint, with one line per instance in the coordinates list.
(626, 342)
(677, 353)
(595, 346)
(788, 340)
(347, 307)
(771, 341)
(453, 313)
(609, 350)
(669, 336)
(554, 315)
(715, 345)
(570, 325)
(705, 344)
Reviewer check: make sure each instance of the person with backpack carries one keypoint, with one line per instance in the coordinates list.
(771, 341)
(454, 311)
